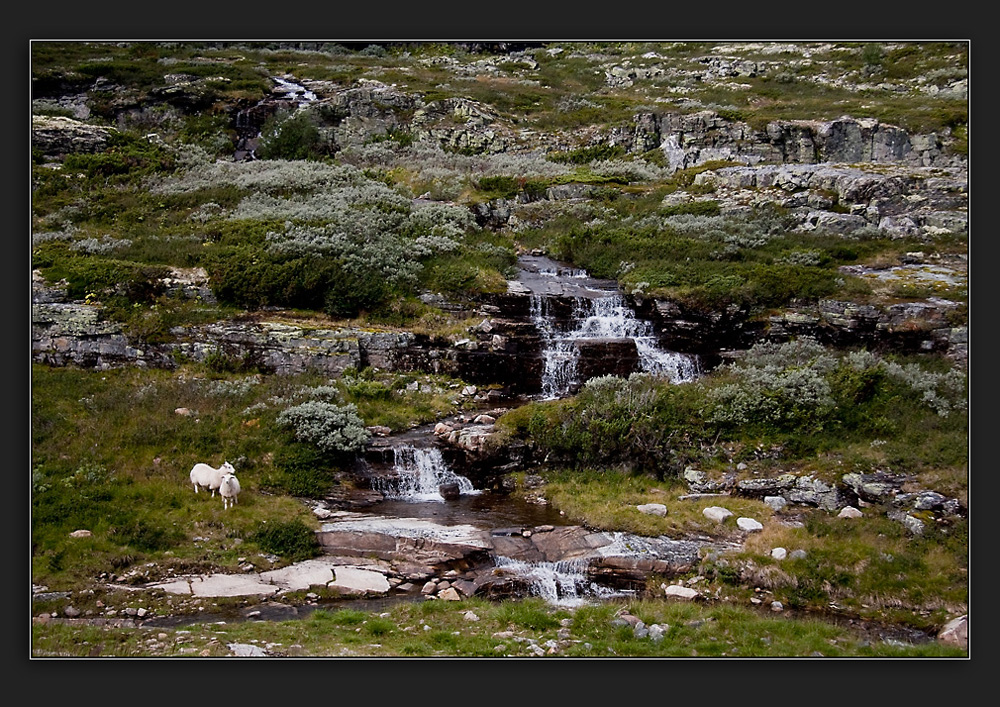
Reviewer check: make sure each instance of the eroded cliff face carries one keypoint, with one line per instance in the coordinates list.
(503, 346)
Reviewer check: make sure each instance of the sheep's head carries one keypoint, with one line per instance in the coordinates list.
(228, 468)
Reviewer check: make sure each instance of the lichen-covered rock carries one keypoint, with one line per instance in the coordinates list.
(700, 482)
(57, 136)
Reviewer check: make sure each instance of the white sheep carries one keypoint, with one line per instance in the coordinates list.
(229, 489)
(209, 477)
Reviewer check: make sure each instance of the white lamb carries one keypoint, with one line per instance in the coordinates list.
(229, 489)
(209, 477)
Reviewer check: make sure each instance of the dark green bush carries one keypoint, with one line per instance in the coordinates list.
(126, 155)
(501, 185)
(98, 276)
(292, 540)
(293, 138)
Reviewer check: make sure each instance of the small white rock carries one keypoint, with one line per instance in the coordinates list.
(749, 524)
(652, 509)
(717, 513)
(779, 553)
(849, 512)
(676, 590)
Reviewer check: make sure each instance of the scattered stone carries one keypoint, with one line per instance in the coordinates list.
(450, 491)
(956, 632)
(749, 524)
(676, 590)
(777, 606)
(914, 525)
(71, 612)
(470, 616)
(246, 650)
(449, 594)
(717, 513)
(797, 555)
(80, 534)
(775, 502)
(849, 512)
(779, 553)
(653, 509)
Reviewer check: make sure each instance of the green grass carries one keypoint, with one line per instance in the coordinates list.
(111, 454)
(441, 629)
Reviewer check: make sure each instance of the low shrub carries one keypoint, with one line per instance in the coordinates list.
(292, 540)
(333, 429)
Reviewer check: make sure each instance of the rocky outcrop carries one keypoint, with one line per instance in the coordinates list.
(896, 200)
(691, 139)
(59, 136)
(907, 327)
(463, 125)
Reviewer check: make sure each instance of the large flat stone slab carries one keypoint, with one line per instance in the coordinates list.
(301, 575)
(220, 585)
(355, 580)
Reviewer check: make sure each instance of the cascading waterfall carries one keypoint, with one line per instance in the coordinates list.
(562, 583)
(612, 317)
(559, 355)
(600, 317)
(420, 471)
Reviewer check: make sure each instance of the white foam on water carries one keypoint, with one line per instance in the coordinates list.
(420, 471)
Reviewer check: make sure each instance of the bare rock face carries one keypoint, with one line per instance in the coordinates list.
(57, 136)
(601, 357)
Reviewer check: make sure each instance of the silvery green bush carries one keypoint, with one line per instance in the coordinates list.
(776, 383)
(334, 429)
(943, 392)
(100, 246)
(790, 383)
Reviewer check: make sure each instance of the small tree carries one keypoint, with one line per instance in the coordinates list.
(292, 138)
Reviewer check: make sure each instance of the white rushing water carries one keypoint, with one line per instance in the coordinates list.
(607, 317)
(560, 583)
(420, 471)
(294, 90)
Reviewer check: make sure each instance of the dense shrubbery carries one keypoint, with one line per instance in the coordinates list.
(99, 277)
(293, 137)
(798, 393)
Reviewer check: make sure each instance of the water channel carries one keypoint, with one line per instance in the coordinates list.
(411, 485)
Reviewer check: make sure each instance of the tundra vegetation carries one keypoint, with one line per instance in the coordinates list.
(353, 230)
